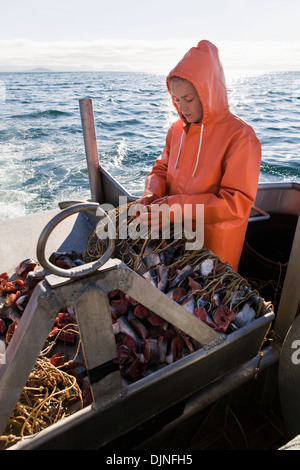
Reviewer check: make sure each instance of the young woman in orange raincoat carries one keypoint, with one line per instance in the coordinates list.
(211, 157)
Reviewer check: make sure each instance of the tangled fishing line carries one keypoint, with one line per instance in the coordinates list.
(133, 251)
(48, 397)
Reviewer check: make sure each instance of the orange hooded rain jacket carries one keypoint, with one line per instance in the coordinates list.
(215, 162)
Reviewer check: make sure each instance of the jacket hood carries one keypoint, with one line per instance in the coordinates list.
(202, 67)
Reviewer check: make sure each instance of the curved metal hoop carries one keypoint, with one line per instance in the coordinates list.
(88, 268)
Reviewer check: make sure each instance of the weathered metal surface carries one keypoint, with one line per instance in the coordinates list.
(87, 268)
(91, 150)
(279, 197)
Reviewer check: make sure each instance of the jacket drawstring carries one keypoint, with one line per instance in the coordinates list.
(199, 148)
(179, 150)
(198, 154)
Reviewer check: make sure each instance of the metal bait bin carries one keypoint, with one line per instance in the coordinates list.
(117, 410)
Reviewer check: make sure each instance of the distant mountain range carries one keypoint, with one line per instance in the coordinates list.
(106, 68)
(39, 69)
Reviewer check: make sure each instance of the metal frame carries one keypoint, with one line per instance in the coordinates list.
(88, 296)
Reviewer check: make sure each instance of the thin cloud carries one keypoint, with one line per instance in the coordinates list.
(261, 55)
(145, 56)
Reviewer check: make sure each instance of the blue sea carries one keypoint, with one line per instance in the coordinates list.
(42, 155)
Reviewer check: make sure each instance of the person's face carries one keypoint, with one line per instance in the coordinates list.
(187, 100)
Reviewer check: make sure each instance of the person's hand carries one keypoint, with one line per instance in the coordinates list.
(147, 199)
(157, 214)
(141, 204)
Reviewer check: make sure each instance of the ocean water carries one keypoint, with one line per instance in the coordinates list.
(42, 155)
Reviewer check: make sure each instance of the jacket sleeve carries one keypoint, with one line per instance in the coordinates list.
(156, 181)
(237, 189)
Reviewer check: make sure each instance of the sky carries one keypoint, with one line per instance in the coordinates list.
(147, 36)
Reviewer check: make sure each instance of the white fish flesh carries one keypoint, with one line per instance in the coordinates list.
(206, 267)
(189, 304)
(244, 316)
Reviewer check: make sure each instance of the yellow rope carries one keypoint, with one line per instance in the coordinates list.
(46, 398)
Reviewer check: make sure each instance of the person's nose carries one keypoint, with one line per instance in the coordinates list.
(182, 107)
